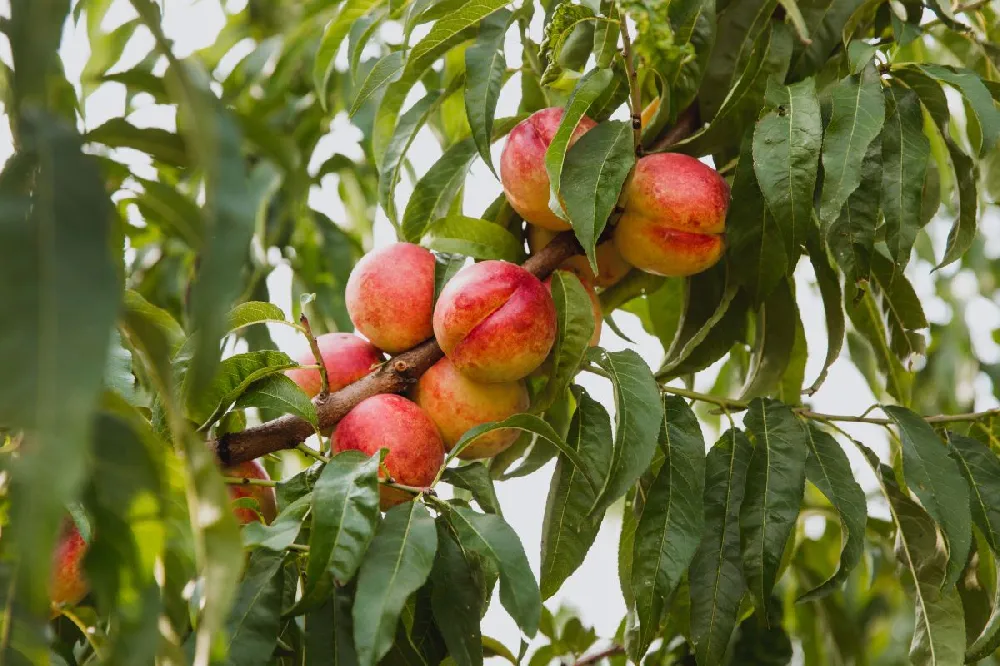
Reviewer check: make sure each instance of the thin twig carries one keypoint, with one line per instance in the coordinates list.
(245, 481)
(635, 95)
(312, 453)
(731, 403)
(613, 651)
(324, 387)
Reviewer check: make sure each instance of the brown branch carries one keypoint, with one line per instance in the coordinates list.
(686, 125)
(613, 651)
(324, 388)
(401, 371)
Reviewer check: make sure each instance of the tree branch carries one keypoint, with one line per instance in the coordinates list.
(400, 372)
(730, 403)
(613, 651)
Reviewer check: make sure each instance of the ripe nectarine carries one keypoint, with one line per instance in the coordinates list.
(522, 166)
(67, 583)
(347, 358)
(392, 422)
(456, 403)
(266, 505)
(390, 296)
(675, 216)
(495, 321)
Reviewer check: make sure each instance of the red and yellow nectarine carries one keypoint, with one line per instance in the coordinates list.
(522, 166)
(392, 422)
(495, 321)
(264, 495)
(390, 296)
(456, 403)
(675, 216)
(67, 583)
(347, 358)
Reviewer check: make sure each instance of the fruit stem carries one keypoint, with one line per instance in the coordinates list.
(324, 389)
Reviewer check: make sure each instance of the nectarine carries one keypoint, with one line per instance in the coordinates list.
(675, 216)
(456, 403)
(595, 304)
(522, 166)
(347, 358)
(611, 267)
(495, 321)
(67, 583)
(389, 421)
(390, 296)
(266, 505)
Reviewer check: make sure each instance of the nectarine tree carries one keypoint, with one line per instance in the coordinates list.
(549, 331)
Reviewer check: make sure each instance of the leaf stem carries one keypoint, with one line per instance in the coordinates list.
(312, 453)
(730, 403)
(324, 379)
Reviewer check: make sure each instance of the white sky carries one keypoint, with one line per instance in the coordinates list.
(593, 590)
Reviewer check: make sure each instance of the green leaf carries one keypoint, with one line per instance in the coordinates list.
(177, 213)
(939, 634)
(588, 89)
(445, 268)
(472, 237)
(774, 342)
(398, 562)
(325, 64)
(936, 480)
(716, 575)
(790, 387)
(456, 601)
(851, 236)
(867, 319)
(694, 26)
(739, 26)
(775, 483)
(981, 469)
(671, 524)
(59, 304)
(279, 393)
(638, 414)
(329, 632)
(978, 96)
(255, 312)
(905, 153)
(160, 144)
(575, 327)
(485, 66)
(856, 119)
(826, 20)
(235, 376)
(596, 168)
(489, 537)
(756, 253)
(566, 18)
(828, 468)
(829, 288)
(388, 69)
(606, 37)
(360, 35)
(433, 194)
(569, 529)
(345, 503)
(963, 232)
(475, 477)
(526, 423)
(283, 531)
(707, 303)
(786, 148)
(794, 14)
(904, 313)
(252, 628)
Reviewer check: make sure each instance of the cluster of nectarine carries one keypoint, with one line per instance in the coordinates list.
(674, 206)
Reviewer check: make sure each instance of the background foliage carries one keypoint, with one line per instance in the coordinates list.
(860, 139)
